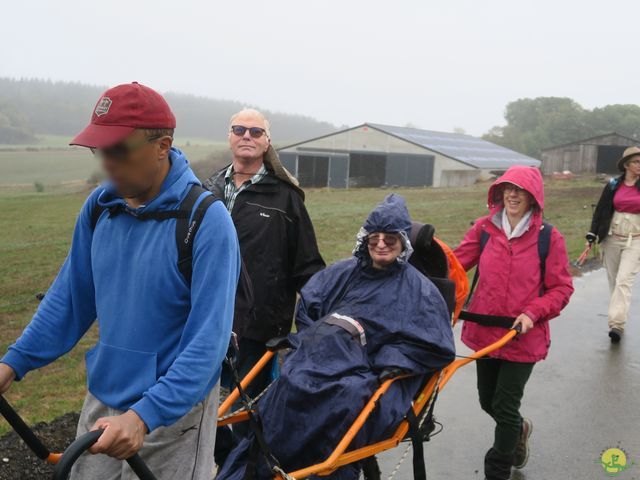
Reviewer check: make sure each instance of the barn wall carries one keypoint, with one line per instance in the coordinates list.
(446, 168)
(578, 157)
(288, 160)
(581, 158)
(361, 140)
(366, 139)
(409, 170)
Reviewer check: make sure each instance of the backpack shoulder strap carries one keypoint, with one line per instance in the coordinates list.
(96, 212)
(484, 238)
(118, 209)
(544, 244)
(186, 230)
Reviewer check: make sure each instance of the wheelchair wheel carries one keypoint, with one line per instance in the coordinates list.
(371, 469)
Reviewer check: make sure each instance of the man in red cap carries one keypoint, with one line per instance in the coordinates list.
(155, 259)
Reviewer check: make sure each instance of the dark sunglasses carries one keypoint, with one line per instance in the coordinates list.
(390, 240)
(255, 132)
(122, 150)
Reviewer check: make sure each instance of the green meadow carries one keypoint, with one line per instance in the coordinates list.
(36, 228)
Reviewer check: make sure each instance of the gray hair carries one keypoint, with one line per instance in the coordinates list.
(253, 111)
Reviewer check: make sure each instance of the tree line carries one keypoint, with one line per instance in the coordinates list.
(29, 107)
(533, 124)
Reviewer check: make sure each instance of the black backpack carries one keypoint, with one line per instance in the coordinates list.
(185, 234)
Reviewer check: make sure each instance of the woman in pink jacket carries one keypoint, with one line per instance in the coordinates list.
(511, 284)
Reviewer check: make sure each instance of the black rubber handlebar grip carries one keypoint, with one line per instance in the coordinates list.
(81, 445)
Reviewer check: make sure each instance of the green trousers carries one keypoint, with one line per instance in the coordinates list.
(500, 388)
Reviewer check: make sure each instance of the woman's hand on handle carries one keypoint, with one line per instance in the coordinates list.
(525, 323)
(123, 435)
(7, 375)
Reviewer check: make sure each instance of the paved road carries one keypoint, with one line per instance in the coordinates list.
(583, 399)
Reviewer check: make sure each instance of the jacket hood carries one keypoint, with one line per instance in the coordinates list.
(528, 178)
(180, 177)
(390, 216)
(274, 165)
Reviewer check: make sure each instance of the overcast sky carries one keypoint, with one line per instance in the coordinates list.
(434, 64)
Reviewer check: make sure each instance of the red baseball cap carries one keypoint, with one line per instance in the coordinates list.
(122, 109)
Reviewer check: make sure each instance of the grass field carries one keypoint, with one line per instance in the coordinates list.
(55, 165)
(35, 233)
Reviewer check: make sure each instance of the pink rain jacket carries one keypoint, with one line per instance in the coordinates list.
(510, 277)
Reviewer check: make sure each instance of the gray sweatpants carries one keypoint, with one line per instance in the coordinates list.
(182, 451)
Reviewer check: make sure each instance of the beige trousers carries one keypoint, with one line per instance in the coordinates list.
(621, 258)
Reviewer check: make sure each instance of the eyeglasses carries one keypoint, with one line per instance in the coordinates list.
(509, 188)
(389, 239)
(633, 162)
(123, 150)
(255, 132)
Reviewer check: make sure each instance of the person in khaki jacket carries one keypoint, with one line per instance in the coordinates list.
(616, 225)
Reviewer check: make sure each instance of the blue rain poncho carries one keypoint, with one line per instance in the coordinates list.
(401, 321)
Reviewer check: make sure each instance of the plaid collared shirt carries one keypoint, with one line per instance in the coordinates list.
(230, 189)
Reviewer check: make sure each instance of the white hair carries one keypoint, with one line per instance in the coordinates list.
(252, 111)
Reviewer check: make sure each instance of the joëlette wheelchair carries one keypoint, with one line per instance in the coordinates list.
(436, 261)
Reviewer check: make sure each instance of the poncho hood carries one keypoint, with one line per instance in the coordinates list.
(390, 216)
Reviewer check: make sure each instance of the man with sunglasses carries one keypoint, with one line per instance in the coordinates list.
(277, 240)
(164, 325)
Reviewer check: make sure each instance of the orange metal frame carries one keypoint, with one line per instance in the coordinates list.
(54, 458)
(340, 456)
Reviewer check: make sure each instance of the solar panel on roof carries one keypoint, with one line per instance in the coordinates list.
(474, 151)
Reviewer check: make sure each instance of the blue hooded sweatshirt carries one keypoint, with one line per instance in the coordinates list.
(161, 342)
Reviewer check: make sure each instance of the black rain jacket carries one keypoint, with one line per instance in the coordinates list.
(278, 247)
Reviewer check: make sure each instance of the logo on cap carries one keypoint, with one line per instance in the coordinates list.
(103, 106)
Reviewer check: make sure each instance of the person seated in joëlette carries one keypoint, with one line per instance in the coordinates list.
(359, 321)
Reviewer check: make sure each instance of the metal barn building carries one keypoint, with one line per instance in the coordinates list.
(592, 155)
(373, 155)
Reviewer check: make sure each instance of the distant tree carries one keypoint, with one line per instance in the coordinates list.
(623, 119)
(459, 130)
(63, 108)
(13, 126)
(534, 124)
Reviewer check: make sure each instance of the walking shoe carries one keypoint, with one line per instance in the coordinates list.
(615, 334)
(521, 455)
